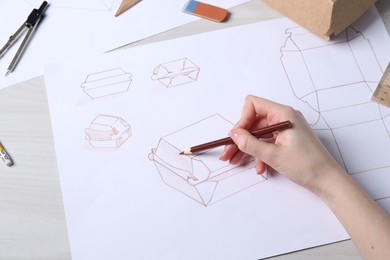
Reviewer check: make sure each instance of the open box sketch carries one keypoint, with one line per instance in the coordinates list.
(107, 132)
(202, 177)
(339, 92)
(175, 73)
(107, 83)
(98, 5)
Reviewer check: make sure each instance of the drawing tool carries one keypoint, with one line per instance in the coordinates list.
(227, 140)
(205, 11)
(125, 5)
(4, 155)
(30, 24)
(382, 91)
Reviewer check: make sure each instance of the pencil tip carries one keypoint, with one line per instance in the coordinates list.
(8, 72)
(186, 152)
(125, 5)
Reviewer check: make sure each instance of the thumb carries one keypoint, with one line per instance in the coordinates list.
(249, 144)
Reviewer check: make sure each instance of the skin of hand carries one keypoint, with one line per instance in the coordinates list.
(292, 152)
(300, 156)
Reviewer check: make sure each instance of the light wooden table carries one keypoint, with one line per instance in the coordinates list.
(32, 220)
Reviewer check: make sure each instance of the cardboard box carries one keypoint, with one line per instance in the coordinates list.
(323, 17)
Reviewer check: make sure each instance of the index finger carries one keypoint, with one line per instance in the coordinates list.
(259, 109)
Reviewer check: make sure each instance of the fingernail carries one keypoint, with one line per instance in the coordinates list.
(258, 170)
(221, 157)
(233, 134)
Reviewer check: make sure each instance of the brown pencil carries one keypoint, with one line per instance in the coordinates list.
(125, 5)
(224, 141)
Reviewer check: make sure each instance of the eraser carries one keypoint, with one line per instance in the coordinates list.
(206, 11)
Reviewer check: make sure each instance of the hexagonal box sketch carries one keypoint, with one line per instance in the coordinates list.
(107, 132)
(107, 83)
(202, 177)
(175, 73)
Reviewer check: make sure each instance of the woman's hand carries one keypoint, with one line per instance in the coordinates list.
(296, 153)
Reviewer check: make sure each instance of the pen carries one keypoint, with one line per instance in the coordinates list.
(4, 155)
(225, 141)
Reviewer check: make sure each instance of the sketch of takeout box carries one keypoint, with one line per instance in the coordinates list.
(107, 132)
(106, 83)
(176, 73)
(202, 177)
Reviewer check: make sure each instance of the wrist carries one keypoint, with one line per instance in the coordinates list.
(327, 181)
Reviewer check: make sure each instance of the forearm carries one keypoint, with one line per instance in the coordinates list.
(366, 223)
(299, 155)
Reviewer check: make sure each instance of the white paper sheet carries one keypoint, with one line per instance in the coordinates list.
(74, 28)
(120, 120)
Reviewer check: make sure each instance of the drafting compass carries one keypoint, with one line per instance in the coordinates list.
(30, 25)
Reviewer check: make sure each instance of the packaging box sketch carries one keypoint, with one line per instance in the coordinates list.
(107, 132)
(338, 90)
(323, 17)
(202, 177)
(106, 83)
(176, 73)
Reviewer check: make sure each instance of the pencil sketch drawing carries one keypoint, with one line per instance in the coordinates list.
(202, 177)
(92, 5)
(337, 93)
(107, 132)
(175, 73)
(107, 83)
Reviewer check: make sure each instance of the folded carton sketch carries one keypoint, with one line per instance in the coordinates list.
(339, 90)
(107, 132)
(106, 83)
(202, 177)
(98, 5)
(323, 17)
(176, 73)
